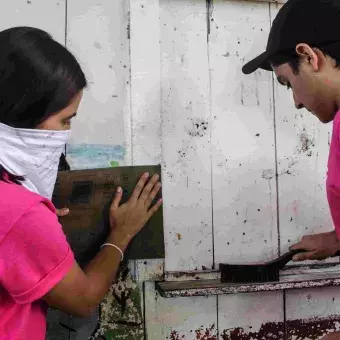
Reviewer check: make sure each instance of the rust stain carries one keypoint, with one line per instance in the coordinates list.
(268, 331)
(179, 236)
(206, 334)
(209, 333)
(174, 335)
(312, 328)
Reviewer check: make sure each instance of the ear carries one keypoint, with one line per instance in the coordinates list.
(308, 55)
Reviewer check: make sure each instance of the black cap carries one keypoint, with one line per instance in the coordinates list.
(313, 22)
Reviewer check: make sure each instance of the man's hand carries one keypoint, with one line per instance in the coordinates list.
(62, 212)
(318, 246)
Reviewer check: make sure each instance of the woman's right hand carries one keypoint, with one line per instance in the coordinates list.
(128, 219)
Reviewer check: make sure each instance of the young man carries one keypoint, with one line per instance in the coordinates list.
(303, 50)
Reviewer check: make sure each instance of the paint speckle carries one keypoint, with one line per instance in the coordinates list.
(29, 2)
(268, 174)
(257, 135)
(179, 236)
(306, 142)
(97, 45)
(128, 31)
(226, 55)
(199, 128)
(242, 90)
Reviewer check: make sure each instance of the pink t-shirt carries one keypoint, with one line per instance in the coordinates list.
(34, 257)
(333, 175)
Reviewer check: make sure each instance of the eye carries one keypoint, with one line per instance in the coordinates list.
(288, 86)
(66, 123)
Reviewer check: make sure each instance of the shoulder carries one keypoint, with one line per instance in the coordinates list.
(16, 201)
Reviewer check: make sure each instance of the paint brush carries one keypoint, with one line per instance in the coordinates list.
(266, 272)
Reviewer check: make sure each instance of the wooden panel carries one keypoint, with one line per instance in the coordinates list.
(46, 15)
(243, 151)
(179, 318)
(98, 33)
(185, 100)
(311, 314)
(252, 316)
(145, 83)
(146, 101)
(244, 190)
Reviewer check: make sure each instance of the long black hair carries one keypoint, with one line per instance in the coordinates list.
(38, 77)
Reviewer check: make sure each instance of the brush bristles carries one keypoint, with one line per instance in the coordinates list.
(246, 278)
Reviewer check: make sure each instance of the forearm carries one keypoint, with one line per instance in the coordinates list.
(102, 270)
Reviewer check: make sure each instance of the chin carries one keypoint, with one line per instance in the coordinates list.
(325, 117)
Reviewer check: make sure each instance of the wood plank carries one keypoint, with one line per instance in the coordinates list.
(29, 13)
(179, 318)
(311, 314)
(252, 316)
(98, 33)
(185, 101)
(146, 102)
(243, 152)
(186, 168)
(145, 83)
(244, 190)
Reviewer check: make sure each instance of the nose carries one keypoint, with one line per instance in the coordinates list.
(297, 103)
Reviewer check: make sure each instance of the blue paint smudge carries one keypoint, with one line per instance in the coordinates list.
(93, 156)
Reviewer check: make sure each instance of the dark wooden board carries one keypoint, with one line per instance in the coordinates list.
(88, 194)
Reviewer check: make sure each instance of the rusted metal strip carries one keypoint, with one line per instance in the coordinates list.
(294, 278)
(270, 1)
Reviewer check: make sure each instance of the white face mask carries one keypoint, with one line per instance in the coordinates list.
(34, 154)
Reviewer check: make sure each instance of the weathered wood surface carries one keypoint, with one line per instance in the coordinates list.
(166, 87)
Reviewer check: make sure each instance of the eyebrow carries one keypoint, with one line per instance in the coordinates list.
(71, 116)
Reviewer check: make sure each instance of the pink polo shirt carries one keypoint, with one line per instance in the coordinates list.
(333, 175)
(34, 257)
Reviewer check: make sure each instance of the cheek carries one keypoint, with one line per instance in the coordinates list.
(304, 94)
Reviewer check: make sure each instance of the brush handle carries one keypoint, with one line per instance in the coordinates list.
(285, 258)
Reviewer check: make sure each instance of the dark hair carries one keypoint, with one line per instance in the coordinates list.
(293, 59)
(38, 77)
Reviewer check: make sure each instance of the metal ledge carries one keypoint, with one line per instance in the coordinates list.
(294, 278)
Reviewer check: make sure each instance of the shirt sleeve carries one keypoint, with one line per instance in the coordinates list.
(34, 256)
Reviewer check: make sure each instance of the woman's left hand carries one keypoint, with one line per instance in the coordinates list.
(62, 212)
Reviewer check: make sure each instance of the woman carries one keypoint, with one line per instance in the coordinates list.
(41, 86)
